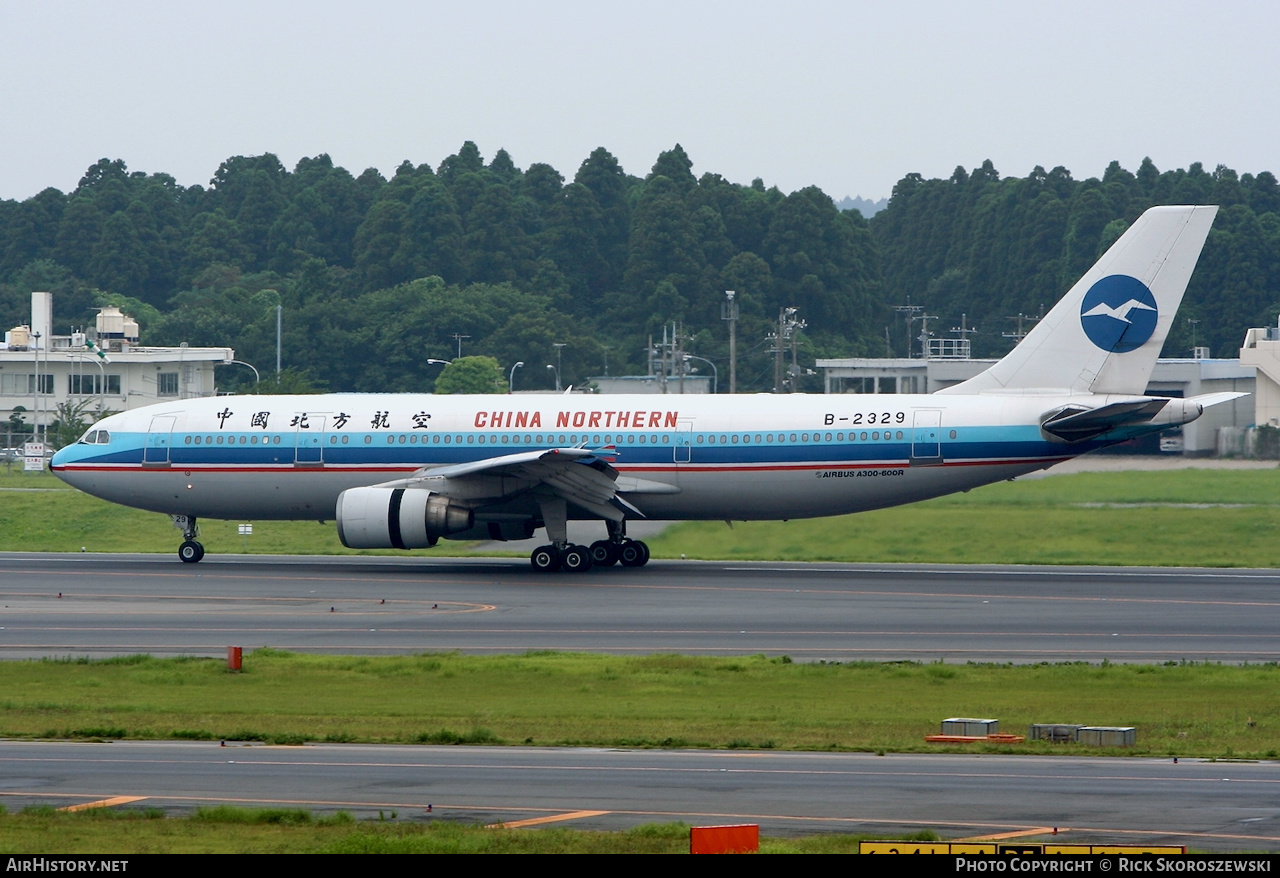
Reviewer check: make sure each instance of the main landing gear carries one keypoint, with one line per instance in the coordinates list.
(618, 549)
(190, 552)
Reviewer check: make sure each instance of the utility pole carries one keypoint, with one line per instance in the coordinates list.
(909, 312)
(964, 331)
(788, 327)
(729, 312)
(677, 351)
(459, 337)
(924, 332)
(777, 351)
(1021, 333)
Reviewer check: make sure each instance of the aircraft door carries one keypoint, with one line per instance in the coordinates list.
(683, 450)
(308, 439)
(926, 438)
(159, 437)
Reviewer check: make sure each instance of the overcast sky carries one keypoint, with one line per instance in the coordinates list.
(848, 96)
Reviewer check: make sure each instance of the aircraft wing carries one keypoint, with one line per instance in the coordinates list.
(580, 476)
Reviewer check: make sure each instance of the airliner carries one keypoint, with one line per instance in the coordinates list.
(405, 470)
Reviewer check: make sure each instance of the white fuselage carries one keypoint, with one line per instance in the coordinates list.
(722, 457)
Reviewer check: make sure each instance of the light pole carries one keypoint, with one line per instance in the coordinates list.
(715, 373)
(511, 379)
(35, 430)
(279, 324)
(552, 367)
(729, 312)
(257, 379)
(102, 375)
(559, 346)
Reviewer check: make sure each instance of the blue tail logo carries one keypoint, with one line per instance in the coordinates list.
(1119, 313)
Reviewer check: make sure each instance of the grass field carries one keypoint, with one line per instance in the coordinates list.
(1215, 518)
(283, 831)
(1187, 518)
(1186, 709)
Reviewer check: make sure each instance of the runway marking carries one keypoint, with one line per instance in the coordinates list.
(539, 821)
(258, 756)
(1021, 833)
(675, 815)
(103, 803)
(651, 586)
(217, 650)
(390, 604)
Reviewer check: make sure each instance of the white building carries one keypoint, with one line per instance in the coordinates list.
(650, 384)
(40, 371)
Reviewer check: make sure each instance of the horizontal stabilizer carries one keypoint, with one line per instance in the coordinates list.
(1075, 424)
(1205, 400)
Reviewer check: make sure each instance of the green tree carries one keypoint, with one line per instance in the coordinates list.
(71, 418)
(472, 375)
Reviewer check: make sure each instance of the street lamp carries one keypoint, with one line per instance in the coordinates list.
(511, 379)
(715, 373)
(257, 379)
(102, 376)
(557, 371)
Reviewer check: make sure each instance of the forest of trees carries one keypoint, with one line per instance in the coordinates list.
(377, 276)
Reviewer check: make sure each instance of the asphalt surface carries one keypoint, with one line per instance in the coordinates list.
(1204, 805)
(97, 605)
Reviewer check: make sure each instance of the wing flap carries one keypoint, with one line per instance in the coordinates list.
(578, 475)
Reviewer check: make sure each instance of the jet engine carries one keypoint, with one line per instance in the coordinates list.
(397, 518)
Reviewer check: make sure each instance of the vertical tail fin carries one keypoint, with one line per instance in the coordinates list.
(1104, 335)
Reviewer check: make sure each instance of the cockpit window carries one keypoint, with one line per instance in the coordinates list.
(104, 437)
(90, 438)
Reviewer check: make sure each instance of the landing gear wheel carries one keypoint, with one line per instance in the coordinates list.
(633, 553)
(545, 559)
(576, 559)
(190, 552)
(604, 553)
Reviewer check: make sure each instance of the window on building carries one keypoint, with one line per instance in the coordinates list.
(91, 385)
(167, 384)
(12, 384)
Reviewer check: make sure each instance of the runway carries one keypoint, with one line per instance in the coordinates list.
(1207, 806)
(98, 605)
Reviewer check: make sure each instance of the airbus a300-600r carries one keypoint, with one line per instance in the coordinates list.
(404, 470)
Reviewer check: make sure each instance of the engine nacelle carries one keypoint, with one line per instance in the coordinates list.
(397, 518)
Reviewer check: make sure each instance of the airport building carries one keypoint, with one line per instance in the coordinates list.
(1261, 350)
(105, 368)
(651, 384)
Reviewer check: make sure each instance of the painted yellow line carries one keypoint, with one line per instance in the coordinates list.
(538, 821)
(1021, 833)
(103, 803)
